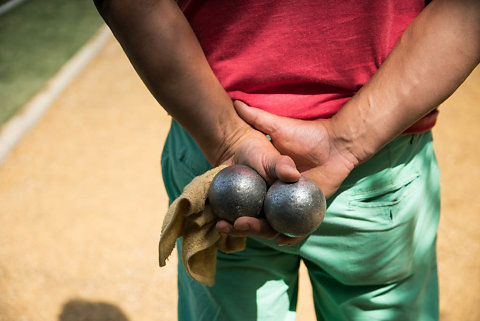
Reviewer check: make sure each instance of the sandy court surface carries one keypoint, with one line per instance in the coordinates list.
(82, 201)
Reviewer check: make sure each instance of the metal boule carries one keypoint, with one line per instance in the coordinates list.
(236, 191)
(295, 209)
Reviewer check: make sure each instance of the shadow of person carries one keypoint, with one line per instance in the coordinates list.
(81, 310)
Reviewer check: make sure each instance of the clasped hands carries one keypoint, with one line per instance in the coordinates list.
(297, 147)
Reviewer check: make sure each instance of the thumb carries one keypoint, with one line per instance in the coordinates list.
(272, 166)
(285, 169)
(263, 121)
(275, 166)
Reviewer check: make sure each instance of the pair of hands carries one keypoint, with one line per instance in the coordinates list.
(297, 147)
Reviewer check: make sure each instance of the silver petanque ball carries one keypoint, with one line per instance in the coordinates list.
(295, 209)
(237, 190)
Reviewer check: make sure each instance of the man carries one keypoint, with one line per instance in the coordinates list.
(347, 92)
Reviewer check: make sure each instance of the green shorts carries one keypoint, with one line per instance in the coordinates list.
(373, 257)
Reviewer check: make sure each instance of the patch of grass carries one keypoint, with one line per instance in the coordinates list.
(36, 39)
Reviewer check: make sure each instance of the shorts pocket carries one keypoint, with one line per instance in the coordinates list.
(371, 231)
(379, 203)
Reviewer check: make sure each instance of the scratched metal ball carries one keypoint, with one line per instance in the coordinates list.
(295, 209)
(237, 190)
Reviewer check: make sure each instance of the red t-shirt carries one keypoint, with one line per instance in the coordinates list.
(299, 58)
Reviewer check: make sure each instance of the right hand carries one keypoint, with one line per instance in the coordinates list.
(250, 147)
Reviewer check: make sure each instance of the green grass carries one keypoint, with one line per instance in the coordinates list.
(36, 39)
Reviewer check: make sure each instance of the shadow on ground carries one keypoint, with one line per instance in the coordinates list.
(82, 310)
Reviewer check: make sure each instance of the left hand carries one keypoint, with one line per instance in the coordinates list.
(313, 145)
(316, 151)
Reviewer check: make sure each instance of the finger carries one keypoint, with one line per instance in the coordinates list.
(261, 120)
(254, 227)
(282, 239)
(248, 227)
(286, 170)
(280, 167)
(224, 227)
(269, 163)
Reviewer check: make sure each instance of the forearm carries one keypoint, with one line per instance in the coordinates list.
(165, 52)
(432, 58)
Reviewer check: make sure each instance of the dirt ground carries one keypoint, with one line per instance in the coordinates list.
(82, 201)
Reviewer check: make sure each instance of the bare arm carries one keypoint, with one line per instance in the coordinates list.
(433, 57)
(164, 51)
(166, 54)
(437, 51)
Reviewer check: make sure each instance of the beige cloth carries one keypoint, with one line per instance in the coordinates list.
(191, 218)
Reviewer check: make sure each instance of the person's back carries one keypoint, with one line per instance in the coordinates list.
(373, 257)
(299, 58)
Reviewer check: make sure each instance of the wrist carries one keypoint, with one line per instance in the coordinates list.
(230, 135)
(366, 123)
(350, 140)
(219, 135)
